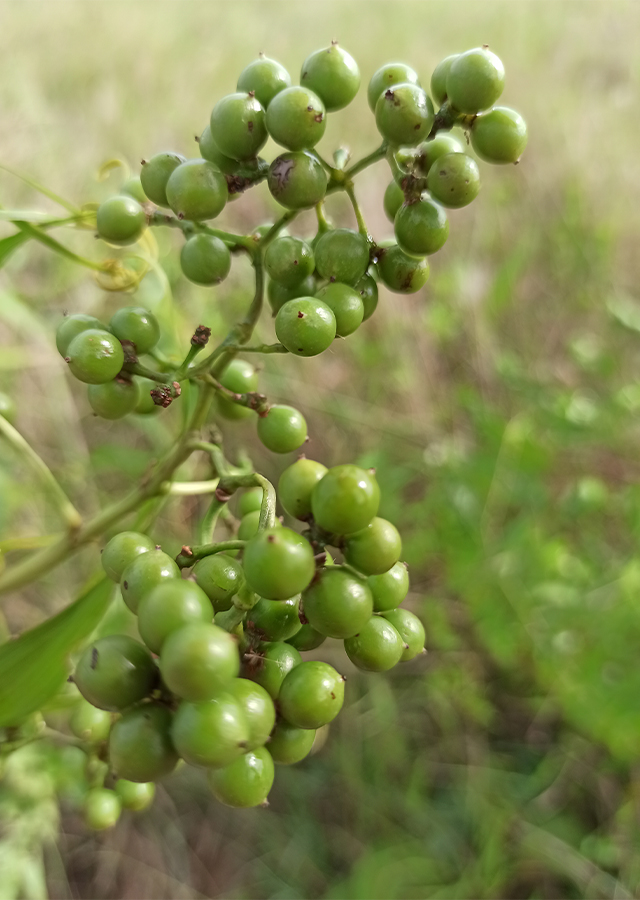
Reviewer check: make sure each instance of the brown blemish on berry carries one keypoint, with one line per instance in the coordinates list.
(300, 315)
(281, 172)
(94, 658)
(333, 696)
(250, 126)
(125, 585)
(318, 118)
(270, 538)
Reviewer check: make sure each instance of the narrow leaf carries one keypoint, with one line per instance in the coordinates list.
(41, 188)
(11, 243)
(56, 246)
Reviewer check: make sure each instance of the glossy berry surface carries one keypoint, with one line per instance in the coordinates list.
(401, 273)
(114, 672)
(345, 500)
(155, 174)
(376, 648)
(198, 660)
(145, 405)
(258, 709)
(241, 378)
(296, 485)
(439, 79)
(278, 294)
(410, 629)
(245, 782)
(289, 744)
(136, 324)
(333, 75)
(271, 664)
(249, 525)
(499, 136)
(278, 563)
(143, 574)
(238, 125)
(311, 695)
(475, 80)
(305, 326)
(274, 620)
(393, 200)
(387, 76)
(89, 723)
(250, 500)
(375, 549)
(429, 151)
(289, 260)
(307, 638)
(72, 326)
(210, 150)
(265, 78)
(404, 114)
(135, 795)
(283, 429)
(389, 589)
(297, 180)
(205, 259)
(102, 809)
(169, 606)
(367, 287)
(421, 227)
(122, 550)
(454, 180)
(342, 255)
(133, 187)
(140, 745)
(120, 220)
(346, 305)
(210, 733)
(338, 604)
(220, 577)
(95, 356)
(114, 399)
(296, 118)
(197, 190)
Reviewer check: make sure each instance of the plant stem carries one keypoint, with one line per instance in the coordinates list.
(186, 560)
(365, 162)
(277, 228)
(362, 225)
(192, 488)
(189, 228)
(145, 372)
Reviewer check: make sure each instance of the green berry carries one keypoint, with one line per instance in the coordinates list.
(404, 115)
(199, 660)
(245, 782)
(278, 563)
(274, 620)
(296, 118)
(249, 525)
(282, 429)
(475, 80)
(393, 200)
(211, 733)
(376, 648)
(120, 220)
(210, 150)
(250, 500)
(197, 190)
(241, 378)
(346, 305)
(122, 550)
(270, 665)
(410, 629)
(499, 135)
(95, 356)
(220, 577)
(375, 549)
(238, 125)
(289, 261)
(114, 672)
(114, 399)
(278, 294)
(388, 76)
(72, 326)
(305, 326)
(258, 709)
(145, 405)
(338, 604)
(345, 500)
(421, 227)
(311, 695)
(455, 180)
(89, 723)
(102, 809)
(169, 606)
(333, 75)
(307, 638)
(429, 151)
(288, 744)
(297, 180)
(390, 588)
(296, 485)
(342, 255)
(134, 795)
(368, 290)
(439, 79)
(400, 272)
(156, 173)
(265, 78)
(136, 324)
(140, 745)
(133, 187)
(205, 259)
(144, 573)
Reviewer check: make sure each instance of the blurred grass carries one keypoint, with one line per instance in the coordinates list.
(500, 407)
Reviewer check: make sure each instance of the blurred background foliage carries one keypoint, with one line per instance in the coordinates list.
(499, 406)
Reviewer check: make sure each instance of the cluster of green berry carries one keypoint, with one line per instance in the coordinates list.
(218, 679)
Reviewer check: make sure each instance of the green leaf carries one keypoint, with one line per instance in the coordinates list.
(11, 243)
(35, 666)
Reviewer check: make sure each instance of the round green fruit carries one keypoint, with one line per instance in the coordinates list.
(278, 563)
(199, 660)
(271, 664)
(135, 795)
(375, 549)
(156, 173)
(454, 180)
(296, 118)
(197, 190)
(169, 606)
(274, 620)
(296, 485)
(144, 573)
(210, 150)
(346, 305)
(114, 672)
(333, 75)
(249, 525)
(305, 326)
(278, 294)
(250, 500)
(421, 227)
(345, 500)
(307, 639)
(311, 695)
(220, 577)
(238, 125)
(145, 405)
(388, 76)
(95, 356)
(376, 648)
(289, 260)
(439, 79)
(390, 588)
(404, 115)
(264, 78)
(499, 135)
(429, 151)
(338, 604)
(114, 399)
(140, 745)
(258, 709)
(241, 378)
(122, 550)
(342, 255)
(136, 324)
(475, 80)
(120, 220)
(297, 180)
(205, 259)
(393, 200)
(210, 733)
(102, 809)
(410, 629)
(89, 723)
(245, 782)
(72, 326)
(289, 744)
(282, 429)
(368, 290)
(401, 273)
(133, 187)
